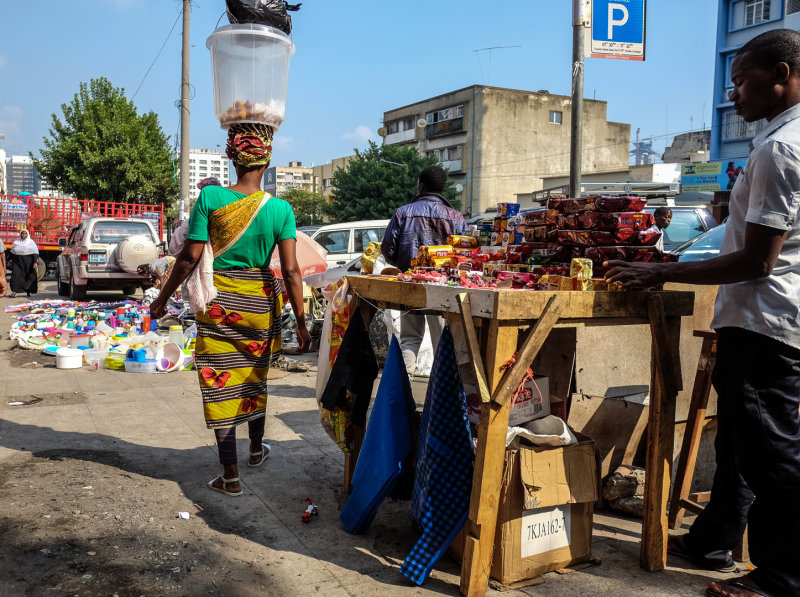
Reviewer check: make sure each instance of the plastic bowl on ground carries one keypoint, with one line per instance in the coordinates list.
(146, 366)
(94, 355)
(169, 357)
(250, 73)
(115, 361)
(69, 358)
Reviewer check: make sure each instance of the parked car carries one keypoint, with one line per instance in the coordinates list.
(308, 229)
(104, 253)
(687, 222)
(702, 247)
(347, 241)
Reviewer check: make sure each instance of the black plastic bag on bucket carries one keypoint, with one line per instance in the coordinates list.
(273, 13)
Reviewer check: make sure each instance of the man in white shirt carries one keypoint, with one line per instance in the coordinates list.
(662, 216)
(757, 319)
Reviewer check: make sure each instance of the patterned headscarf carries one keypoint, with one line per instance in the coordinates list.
(250, 144)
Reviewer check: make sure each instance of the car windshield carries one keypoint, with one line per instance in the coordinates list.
(704, 246)
(113, 232)
(684, 226)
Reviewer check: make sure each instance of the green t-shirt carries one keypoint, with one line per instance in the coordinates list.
(274, 223)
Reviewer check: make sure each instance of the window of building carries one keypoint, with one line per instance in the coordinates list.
(202, 161)
(450, 113)
(792, 6)
(735, 128)
(555, 116)
(756, 11)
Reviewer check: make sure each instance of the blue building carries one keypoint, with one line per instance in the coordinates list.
(738, 22)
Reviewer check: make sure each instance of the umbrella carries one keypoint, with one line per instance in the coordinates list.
(310, 257)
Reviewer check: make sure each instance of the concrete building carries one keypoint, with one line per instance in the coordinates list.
(738, 22)
(21, 176)
(323, 174)
(498, 143)
(205, 163)
(688, 147)
(3, 184)
(279, 179)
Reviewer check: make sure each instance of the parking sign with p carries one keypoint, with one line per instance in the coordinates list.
(618, 29)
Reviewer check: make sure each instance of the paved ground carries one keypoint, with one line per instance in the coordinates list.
(93, 476)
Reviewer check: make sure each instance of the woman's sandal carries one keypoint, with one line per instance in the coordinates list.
(225, 483)
(263, 454)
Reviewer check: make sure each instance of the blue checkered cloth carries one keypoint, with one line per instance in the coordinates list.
(445, 461)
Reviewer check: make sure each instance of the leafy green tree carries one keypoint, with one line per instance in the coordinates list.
(378, 181)
(309, 208)
(103, 150)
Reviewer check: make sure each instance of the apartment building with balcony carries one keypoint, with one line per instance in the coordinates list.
(207, 163)
(499, 143)
(739, 21)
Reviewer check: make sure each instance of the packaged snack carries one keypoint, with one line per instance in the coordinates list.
(462, 242)
(438, 262)
(585, 238)
(619, 204)
(437, 251)
(595, 220)
(572, 221)
(540, 217)
(573, 206)
(580, 267)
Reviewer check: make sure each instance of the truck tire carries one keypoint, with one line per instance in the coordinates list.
(41, 269)
(76, 292)
(63, 287)
(134, 251)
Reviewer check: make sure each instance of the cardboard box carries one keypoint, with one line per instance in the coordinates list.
(545, 513)
(533, 402)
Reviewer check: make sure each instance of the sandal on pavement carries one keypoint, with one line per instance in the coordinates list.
(263, 454)
(676, 545)
(225, 483)
(735, 587)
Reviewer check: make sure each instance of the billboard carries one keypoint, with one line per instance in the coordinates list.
(618, 29)
(711, 176)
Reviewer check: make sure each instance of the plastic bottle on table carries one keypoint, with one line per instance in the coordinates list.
(176, 334)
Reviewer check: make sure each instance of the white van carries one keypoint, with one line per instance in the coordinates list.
(344, 242)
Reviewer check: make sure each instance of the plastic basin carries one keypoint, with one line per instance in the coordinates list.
(250, 73)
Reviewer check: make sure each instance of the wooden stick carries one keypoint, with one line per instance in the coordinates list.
(474, 347)
(533, 343)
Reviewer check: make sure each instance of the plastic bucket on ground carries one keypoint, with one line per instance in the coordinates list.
(69, 358)
(250, 73)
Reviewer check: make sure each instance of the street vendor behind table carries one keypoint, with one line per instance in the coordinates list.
(427, 221)
(159, 272)
(757, 319)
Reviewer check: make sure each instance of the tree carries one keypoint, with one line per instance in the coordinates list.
(378, 181)
(308, 207)
(103, 150)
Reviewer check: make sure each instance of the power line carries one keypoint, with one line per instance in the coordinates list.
(180, 12)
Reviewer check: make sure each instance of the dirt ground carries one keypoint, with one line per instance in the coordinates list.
(95, 468)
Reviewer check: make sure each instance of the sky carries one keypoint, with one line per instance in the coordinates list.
(354, 60)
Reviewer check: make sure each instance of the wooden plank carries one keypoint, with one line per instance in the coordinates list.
(500, 341)
(474, 348)
(522, 305)
(533, 343)
(694, 429)
(661, 428)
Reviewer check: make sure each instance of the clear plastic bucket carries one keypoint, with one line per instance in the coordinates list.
(250, 73)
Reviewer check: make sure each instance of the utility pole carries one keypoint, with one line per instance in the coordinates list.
(185, 138)
(580, 20)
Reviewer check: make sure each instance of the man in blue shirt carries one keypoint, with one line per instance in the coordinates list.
(427, 221)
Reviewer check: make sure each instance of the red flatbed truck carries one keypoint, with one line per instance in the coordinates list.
(49, 219)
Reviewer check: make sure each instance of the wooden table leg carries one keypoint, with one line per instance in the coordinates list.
(501, 344)
(664, 387)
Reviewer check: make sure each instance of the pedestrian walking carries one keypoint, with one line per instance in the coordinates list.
(240, 329)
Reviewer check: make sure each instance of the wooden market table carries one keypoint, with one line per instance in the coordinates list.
(487, 323)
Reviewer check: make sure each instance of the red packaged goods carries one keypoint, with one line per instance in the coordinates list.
(600, 255)
(586, 238)
(464, 252)
(573, 221)
(541, 217)
(617, 204)
(648, 238)
(595, 220)
(574, 206)
(537, 233)
(554, 199)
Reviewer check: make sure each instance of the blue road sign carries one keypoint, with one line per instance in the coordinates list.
(618, 29)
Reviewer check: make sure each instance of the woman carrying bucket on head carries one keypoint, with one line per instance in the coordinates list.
(240, 327)
(24, 263)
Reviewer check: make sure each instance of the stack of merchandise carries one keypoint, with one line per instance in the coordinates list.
(561, 247)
